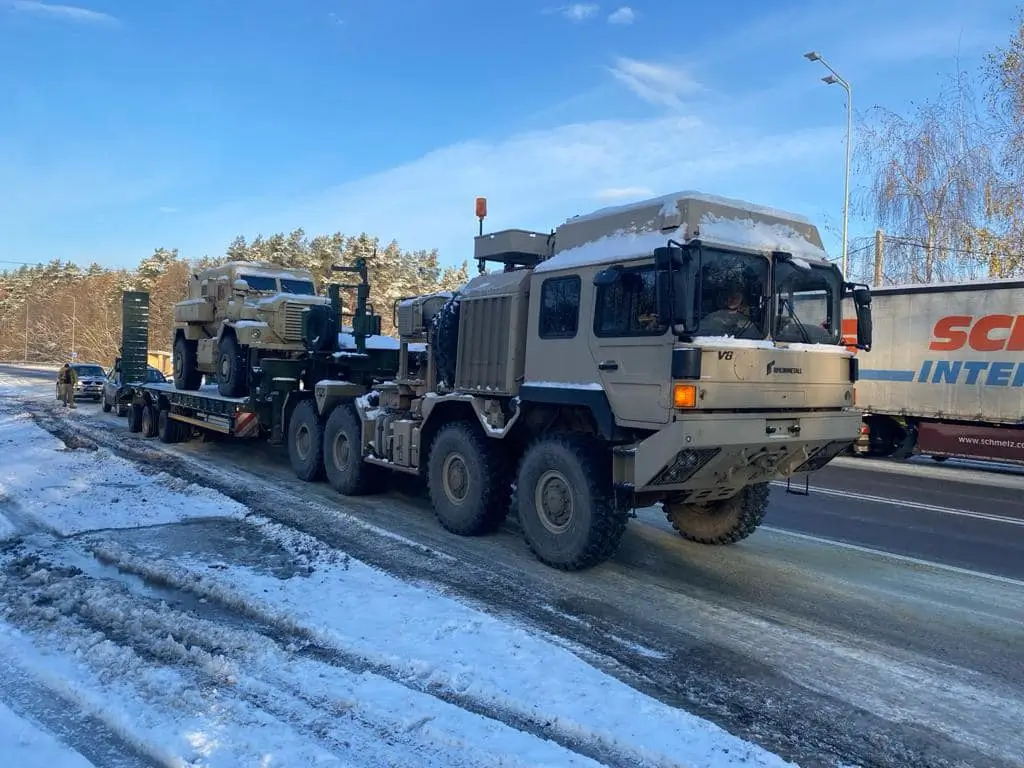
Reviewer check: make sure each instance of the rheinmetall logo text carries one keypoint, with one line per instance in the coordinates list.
(772, 368)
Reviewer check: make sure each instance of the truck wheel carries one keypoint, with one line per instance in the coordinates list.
(566, 505)
(185, 366)
(306, 442)
(721, 522)
(468, 480)
(231, 368)
(135, 417)
(105, 403)
(346, 471)
(446, 341)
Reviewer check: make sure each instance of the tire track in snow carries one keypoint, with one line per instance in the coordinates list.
(58, 712)
(216, 658)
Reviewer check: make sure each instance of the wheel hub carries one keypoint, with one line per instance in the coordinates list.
(302, 441)
(341, 450)
(455, 478)
(554, 501)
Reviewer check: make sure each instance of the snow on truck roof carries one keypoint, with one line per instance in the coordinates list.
(636, 229)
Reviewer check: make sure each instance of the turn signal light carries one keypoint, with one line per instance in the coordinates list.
(684, 395)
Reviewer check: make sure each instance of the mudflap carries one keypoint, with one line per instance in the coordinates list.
(625, 498)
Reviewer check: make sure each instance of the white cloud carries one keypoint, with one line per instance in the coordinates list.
(71, 13)
(536, 180)
(623, 15)
(656, 83)
(579, 11)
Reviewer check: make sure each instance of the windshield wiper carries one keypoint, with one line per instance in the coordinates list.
(800, 326)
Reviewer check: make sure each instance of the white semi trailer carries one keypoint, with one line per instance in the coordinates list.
(945, 375)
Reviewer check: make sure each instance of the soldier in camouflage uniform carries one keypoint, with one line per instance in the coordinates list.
(66, 380)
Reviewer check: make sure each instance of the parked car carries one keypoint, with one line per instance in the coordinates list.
(112, 385)
(91, 380)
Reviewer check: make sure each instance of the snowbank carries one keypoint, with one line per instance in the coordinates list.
(45, 485)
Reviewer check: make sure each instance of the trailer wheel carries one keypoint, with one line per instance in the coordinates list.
(149, 419)
(468, 480)
(167, 429)
(306, 441)
(185, 366)
(721, 522)
(231, 367)
(135, 417)
(346, 471)
(566, 503)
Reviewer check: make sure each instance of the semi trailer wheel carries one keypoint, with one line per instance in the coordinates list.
(566, 505)
(306, 442)
(721, 522)
(346, 471)
(135, 417)
(149, 421)
(170, 430)
(468, 480)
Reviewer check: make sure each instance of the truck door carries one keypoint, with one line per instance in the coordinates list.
(631, 351)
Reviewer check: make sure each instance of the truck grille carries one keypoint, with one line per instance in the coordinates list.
(293, 321)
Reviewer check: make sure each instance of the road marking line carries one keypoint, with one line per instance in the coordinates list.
(895, 556)
(912, 504)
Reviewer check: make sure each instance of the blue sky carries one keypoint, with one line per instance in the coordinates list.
(130, 125)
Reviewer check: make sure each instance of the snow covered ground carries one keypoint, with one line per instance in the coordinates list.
(148, 621)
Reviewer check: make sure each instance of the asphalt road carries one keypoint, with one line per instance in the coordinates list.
(809, 637)
(27, 372)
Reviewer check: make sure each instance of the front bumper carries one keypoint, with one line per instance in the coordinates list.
(703, 457)
(88, 389)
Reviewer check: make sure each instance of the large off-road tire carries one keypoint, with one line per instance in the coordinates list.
(566, 504)
(185, 365)
(232, 368)
(170, 430)
(346, 471)
(468, 479)
(721, 522)
(135, 417)
(306, 442)
(445, 344)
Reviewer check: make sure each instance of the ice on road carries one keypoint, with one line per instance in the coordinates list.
(197, 634)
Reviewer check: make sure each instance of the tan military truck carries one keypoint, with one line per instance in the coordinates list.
(683, 351)
(234, 315)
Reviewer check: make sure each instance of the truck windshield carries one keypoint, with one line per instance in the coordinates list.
(732, 289)
(807, 303)
(261, 284)
(298, 287)
(89, 370)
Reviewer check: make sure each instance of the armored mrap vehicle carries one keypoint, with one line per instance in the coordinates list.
(234, 310)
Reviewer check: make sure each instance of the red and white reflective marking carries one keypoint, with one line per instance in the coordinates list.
(246, 424)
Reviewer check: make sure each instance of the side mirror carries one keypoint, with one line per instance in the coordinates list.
(240, 286)
(608, 277)
(862, 304)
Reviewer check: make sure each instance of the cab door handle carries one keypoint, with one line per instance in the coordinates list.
(608, 365)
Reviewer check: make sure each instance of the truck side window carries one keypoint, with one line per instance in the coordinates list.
(628, 306)
(559, 307)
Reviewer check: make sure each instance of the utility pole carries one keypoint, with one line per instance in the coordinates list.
(26, 330)
(879, 255)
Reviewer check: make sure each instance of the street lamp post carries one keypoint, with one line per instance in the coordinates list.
(833, 79)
